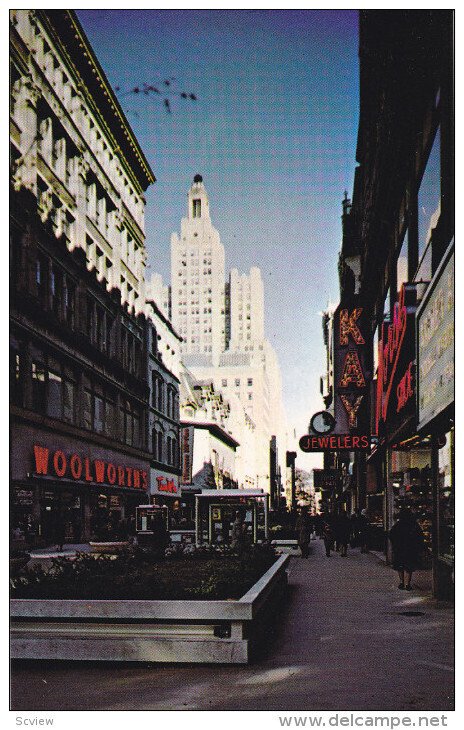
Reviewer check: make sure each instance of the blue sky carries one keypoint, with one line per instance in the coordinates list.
(273, 133)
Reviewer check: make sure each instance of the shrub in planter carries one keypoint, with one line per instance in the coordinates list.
(18, 560)
(128, 576)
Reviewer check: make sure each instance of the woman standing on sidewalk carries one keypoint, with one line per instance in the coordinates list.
(407, 542)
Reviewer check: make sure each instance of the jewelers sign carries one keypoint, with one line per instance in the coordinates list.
(435, 344)
(352, 378)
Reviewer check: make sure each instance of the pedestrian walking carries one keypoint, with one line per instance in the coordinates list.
(363, 531)
(407, 540)
(343, 533)
(60, 532)
(318, 525)
(304, 528)
(354, 522)
(327, 534)
(238, 541)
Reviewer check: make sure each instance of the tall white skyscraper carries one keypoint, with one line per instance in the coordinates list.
(197, 282)
(222, 326)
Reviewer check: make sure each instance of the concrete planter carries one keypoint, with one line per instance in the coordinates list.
(224, 631)
(109, 547)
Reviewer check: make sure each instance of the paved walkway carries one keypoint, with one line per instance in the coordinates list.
(343, 644)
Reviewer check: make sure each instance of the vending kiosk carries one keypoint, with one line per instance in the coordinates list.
(215, 511)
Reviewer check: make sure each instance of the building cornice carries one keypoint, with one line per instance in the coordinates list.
(68, 34)
(215, 430)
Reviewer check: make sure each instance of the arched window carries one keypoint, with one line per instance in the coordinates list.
(172, 449)
(160, 450)
(157, 438)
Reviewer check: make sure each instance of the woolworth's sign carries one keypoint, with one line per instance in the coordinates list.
(83, 469)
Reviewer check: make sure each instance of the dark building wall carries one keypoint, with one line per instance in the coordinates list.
(77, 373)
(401, 220)
(164, 423)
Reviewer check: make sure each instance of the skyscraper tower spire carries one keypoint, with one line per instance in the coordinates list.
(197, 280)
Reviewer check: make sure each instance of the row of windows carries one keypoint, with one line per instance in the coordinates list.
(57, 292)
(164, 397)
(54, 392)
(237, 382)
(165, 450)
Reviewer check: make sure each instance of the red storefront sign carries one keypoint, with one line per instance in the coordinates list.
(396, 369)
(166, 485)
(83, 469)
(351, 376)
(335, 442)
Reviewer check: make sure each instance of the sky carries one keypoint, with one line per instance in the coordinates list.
(272, 132)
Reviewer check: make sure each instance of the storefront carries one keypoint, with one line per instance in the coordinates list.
(401, 463)
(435, 412)
(79, 489)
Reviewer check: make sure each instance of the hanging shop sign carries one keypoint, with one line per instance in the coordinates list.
(394, 403)
(187, 453)
(352, 374)
(326, 479)
(163, 483)
(335, 442)
(348, 429)
(84, 470)
(435, 344)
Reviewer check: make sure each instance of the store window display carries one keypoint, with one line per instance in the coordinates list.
(410, 479)
(446, 498)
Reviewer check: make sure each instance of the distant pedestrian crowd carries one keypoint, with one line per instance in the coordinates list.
(338, 531)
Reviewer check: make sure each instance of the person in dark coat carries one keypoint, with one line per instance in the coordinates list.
(407, 541)
(60, 532)
(363, 531)
(238, 541)
(304, 528)
(343, 533)
(327, 533)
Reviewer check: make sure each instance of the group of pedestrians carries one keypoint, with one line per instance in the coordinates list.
(339, 530)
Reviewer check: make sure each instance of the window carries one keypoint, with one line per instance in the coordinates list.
(250, 396)
(56, 289)
(224, 383)
(446, 489)
(69, 298)
(54, 395)
(402, 263)
(127, 422)
(90, 317)
(38, 387)
(237, 382)
(87, 408)
(429, 207)
(387, 306)
(250, 381)
(16, 389)
(157, 391)
(99, 414)
(157, 443)
(110, 414)
(197, 208)
(41, 276)
(69, 389)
